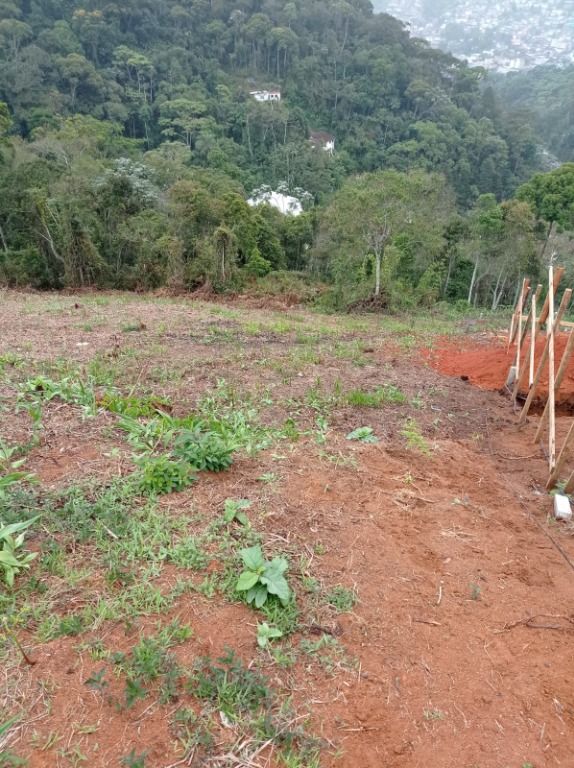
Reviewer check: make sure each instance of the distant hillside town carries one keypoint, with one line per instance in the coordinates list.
(505, 36)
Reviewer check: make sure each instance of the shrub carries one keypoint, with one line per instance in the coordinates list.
(256, 265)
(160, 475)
(204, 450)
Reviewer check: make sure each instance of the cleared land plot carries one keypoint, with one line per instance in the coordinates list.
(428, 613)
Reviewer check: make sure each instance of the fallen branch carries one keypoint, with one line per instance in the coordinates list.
(529, 622)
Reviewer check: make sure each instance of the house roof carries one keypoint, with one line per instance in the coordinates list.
(266, 90)
(320, 137)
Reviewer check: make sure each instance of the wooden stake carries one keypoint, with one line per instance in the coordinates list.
(535, 297)
(520, 380)
(569, 487)
(533, 334)
(511, 330)
(551, 374)
(559, 376)
(529, 363)
(558, 275)
(526, 291)
(555, 473)
(517, 312)
(532, 391)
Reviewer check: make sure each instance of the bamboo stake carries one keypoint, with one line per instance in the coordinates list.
(534, 302)
(532, 350)
(517, 312)
(555, 474)
(569, 487)
(559, 376)
(519, 383)
(558, 275)
(520, 380)
(532, 391)
(511, 330)
(519, 331)
(551, 373)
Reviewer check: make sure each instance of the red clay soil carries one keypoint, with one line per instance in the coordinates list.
(485, 362)
(459, 651)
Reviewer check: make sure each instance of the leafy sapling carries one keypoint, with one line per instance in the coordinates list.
(363, 435)
(265, 634)
(11, 540)
(234, 510)
(263, 578)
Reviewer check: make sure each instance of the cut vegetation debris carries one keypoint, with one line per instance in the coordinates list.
(229, 547)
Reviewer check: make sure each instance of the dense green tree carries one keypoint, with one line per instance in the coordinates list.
(372, 212)
(551, 196)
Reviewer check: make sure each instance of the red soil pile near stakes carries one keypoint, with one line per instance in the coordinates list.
(484, 362)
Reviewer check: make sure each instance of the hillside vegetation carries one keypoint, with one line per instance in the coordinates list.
(131, 144)
(546, 97)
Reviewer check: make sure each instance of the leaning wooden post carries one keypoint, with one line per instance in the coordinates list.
(517, 312)
(532, 391)
(559, 376)
(555, 473)
(558, 275)
(551, 373)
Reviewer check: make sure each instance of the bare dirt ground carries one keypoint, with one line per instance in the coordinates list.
(484, 360)
(434, 619)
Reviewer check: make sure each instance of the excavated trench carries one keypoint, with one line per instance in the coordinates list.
(484, 362)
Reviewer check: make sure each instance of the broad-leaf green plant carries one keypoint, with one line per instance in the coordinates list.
(12, 561)
(265, 634)
(363, 435)
(234, 510)
(263, 578)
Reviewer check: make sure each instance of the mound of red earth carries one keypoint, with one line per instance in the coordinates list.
(485, 362)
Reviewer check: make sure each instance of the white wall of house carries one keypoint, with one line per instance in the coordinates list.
(266, 95)
(288, 205)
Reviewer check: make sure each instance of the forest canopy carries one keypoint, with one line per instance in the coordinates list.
(131, 141)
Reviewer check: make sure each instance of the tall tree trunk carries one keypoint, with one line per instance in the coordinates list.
(378, 259)
(499, 295)
(249, 146)
(548, 236)
(495, 293)
(3, 240)
(451, 260)
(472, 281)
